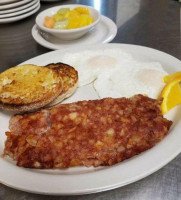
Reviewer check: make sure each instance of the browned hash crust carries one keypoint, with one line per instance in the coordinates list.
(90, 133)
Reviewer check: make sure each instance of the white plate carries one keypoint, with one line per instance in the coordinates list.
(104, 32)
(12, 5)
(82, 180)
(19, 8)
(16, 18)
(20, 12)
(7, 1)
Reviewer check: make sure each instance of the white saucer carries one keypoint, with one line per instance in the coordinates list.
(104, 32)
(20, 12)
(19, 17)
(19, 8)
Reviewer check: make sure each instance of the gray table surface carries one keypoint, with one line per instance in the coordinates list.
(152, 23)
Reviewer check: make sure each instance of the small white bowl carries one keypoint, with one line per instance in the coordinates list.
(67, 34)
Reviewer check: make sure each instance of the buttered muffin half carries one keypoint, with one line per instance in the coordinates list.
(69, 78)
(28, 87)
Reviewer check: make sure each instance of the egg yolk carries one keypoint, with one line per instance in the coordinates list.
(103, 62)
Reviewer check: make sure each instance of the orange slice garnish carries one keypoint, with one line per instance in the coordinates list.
(170, 77)
(171, 93)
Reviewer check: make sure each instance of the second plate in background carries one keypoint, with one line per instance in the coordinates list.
(104, 32)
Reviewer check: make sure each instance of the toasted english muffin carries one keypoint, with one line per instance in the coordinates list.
(28, 87)
(69, 78)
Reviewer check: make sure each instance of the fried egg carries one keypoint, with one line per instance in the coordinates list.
(115, 73)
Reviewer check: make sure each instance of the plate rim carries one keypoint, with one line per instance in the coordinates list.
(171, 157)
(12, 10)
(19, 17)
(7, 2)
(12, 5)
(20, 12)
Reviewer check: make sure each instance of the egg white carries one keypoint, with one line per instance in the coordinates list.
(90, 64)
(115, 73)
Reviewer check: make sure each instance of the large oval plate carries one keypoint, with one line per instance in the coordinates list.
(82, 180)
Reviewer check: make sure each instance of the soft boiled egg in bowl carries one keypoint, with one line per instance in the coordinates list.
(68, 33)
